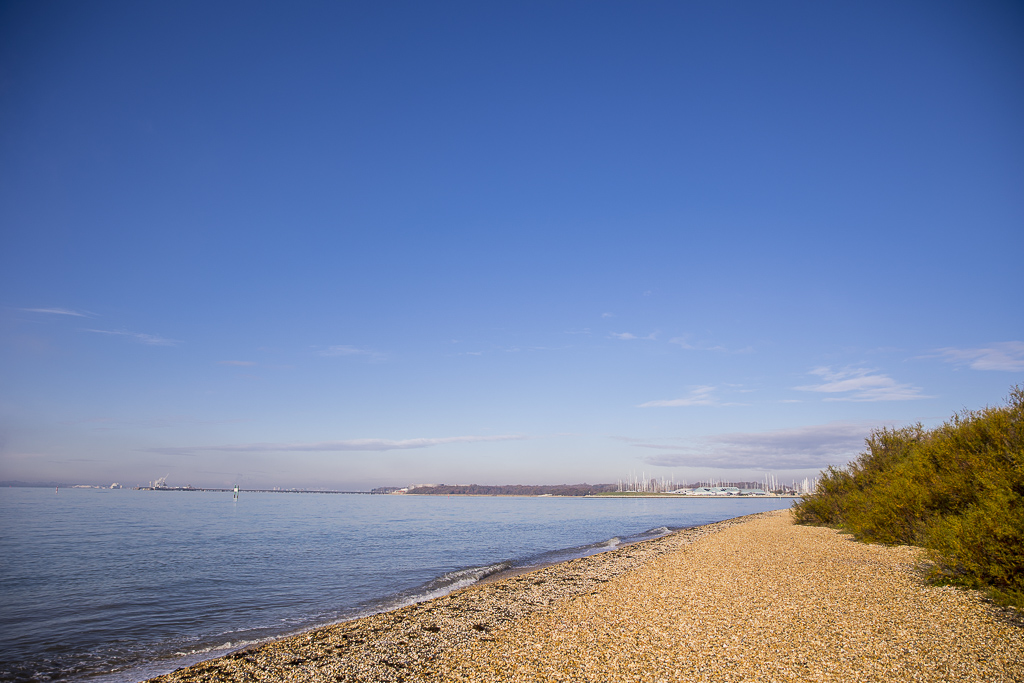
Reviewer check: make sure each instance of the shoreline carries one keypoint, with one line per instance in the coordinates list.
(753, 597)
(370, 643)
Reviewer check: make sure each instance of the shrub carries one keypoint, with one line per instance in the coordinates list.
(957, 490)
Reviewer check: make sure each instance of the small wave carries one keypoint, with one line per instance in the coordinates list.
(657, 532)
(470, 574)
(442, 585)
(230, 645)
(584, 550)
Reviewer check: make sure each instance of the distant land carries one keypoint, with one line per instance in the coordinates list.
(441, 489)
(33, 484)
(553, 490)
(511, 490)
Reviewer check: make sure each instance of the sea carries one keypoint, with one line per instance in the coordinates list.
(117, 586)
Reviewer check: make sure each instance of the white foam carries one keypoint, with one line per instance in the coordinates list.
(236, 645)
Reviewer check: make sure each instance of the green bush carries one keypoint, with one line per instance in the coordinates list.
(957, 490)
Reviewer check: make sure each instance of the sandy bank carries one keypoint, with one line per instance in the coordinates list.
(754, 598)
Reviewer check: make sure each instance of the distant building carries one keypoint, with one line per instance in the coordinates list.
(711, 491)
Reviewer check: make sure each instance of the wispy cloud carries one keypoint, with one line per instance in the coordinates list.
(151, 339)
(334, 446)
(239, 363)
(685, 343)
(698, 396)
(346, 350)
(626, 336)
(812, 447)
(607, 315)
(514, 349)
(658, 446)
(55, 311)
(860, 384)
(157, 421)
(1005, 356)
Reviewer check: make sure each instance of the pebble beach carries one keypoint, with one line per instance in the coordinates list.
(755, 598)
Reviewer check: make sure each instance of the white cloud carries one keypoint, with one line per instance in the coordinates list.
(811, 447)
(607, 315)
(334, 446)
(157, 422)
(345, 350)
(626, 336)
(151, 339)
(685, 343)
(699, 396)
(55, 311)
(1005, 356)
(861, 384)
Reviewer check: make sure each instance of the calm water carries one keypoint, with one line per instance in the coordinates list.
(117, 586)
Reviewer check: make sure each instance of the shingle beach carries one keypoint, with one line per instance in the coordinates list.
(754, 598)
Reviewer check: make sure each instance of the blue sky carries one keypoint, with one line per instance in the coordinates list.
(361, 244)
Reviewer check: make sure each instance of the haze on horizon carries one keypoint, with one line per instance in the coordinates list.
(349, 245)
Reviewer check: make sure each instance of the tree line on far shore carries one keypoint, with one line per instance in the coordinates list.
(515, 490)
(957, 490)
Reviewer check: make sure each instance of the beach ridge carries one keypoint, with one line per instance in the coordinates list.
(750, 598)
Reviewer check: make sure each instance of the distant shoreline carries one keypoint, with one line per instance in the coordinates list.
(624, 494)
(610, 494)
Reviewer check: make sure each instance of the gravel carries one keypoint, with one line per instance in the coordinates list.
(755, 598)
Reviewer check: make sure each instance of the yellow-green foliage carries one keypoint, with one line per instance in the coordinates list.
(957, 490)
